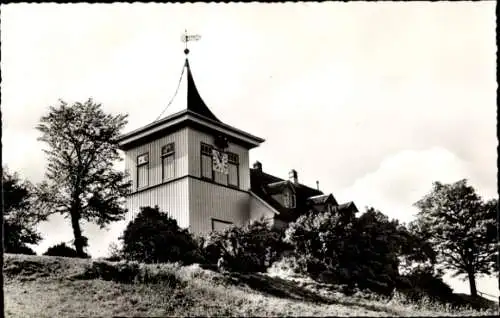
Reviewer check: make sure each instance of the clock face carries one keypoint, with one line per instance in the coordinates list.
(220, 161)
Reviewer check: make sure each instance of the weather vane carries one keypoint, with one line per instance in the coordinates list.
(187, 37)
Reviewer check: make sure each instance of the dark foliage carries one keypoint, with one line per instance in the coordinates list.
(62, 249)
(22, 250)
(320, 242)
(251, 248)
(129, 273)
(462, 228)
(423, 282)
(18, 214)
(155, 237)
(363, 252)
(372, 256)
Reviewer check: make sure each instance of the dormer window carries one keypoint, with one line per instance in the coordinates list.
(329, 207)
(289, 200)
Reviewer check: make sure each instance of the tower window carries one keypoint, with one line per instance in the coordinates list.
(143, 170)
(206, 162)
(233, 176)
(167, 161)
(219, 166)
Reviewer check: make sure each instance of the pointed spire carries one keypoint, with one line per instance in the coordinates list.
(194, 101)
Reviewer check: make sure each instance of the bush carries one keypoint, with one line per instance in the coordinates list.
(287, 266)
(115, 253)
(423, 282)
(62, 250)
(130, 272)
(336, 247)
(19, 214)
(154, 237)
(319, 243)
(251, 248)
(21, 250)
(373, 262)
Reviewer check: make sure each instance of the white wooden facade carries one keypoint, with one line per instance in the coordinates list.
(192, 191)
(195, 203)
(260, 209)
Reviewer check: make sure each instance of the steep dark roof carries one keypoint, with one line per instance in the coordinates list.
(260, 182)
(278, 187)
(265, 185)
(194, 101)
(347, 206)
(199, 116)
(322, 199)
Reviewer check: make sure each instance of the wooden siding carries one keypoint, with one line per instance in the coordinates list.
(208, 200)
(180, 138)
(259, 209)
(171, 198)
(196, 138)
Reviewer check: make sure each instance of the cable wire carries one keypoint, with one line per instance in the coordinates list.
(175, 94)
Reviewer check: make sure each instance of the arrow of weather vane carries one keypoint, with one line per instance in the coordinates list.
(189, 37)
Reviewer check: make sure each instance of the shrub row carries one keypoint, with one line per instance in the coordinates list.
(130, 272)
(360, 253)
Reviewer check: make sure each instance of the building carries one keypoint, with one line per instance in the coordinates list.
(196, 168)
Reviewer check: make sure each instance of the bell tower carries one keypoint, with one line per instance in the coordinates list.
(190, 163)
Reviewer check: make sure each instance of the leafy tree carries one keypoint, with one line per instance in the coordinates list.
(373, 251)
(18, 214)
(461, 227)
(250, 248)
(62, 249)
(155, 237)
(363, 251)
(82, 183)
(416, 250)
(320, 242)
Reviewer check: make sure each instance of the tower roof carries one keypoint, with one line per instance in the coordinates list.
(194, 101)
(187, 108)
(187, 97)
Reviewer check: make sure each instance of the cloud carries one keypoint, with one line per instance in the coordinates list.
(405, 177)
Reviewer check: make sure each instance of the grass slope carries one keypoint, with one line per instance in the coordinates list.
(42, 286)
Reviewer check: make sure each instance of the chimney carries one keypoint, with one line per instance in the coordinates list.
(292, 176)
(257, 165)
(317, 185)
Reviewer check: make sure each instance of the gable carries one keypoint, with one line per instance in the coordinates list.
(271, 189)
(323, 199)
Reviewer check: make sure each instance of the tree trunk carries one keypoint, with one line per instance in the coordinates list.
(472, 284)
(75, 223)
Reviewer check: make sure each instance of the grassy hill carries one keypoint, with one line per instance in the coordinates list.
(42, 286)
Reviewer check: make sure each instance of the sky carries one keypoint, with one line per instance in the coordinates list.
(374, 100)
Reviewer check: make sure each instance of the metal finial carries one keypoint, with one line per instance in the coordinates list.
(186, 38)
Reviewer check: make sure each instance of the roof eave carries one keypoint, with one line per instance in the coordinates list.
(187, 116)
(264, 202)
